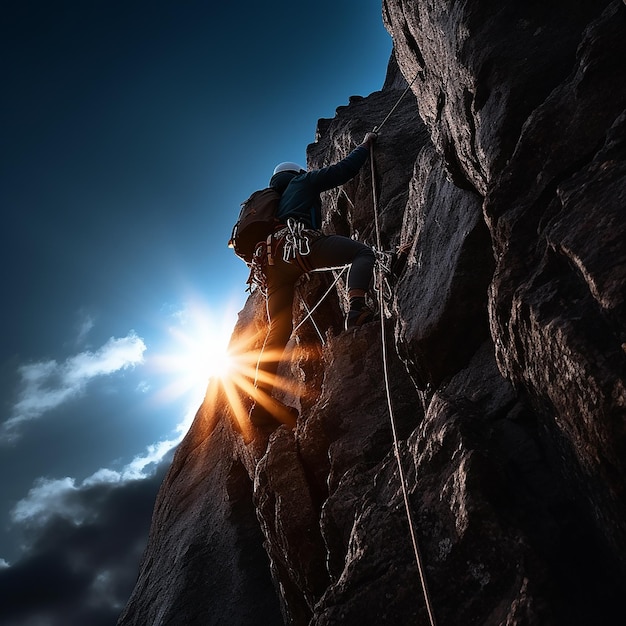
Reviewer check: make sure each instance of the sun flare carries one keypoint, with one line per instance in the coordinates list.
(199, 348)
(196, 350)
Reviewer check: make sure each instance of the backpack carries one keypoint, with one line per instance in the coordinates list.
(257, 221)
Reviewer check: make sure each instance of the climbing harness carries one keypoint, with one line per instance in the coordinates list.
(416, 550)
(296, 244)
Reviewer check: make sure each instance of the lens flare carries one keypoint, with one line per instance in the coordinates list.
(196, 351)
(204, 359)
(239, 386)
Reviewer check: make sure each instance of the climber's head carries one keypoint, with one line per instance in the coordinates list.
(283, 173)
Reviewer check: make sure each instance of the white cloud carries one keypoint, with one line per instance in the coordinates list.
(140, 467)
(63, 497)
(48, 384)
(144, 387)
(4, 564)
(116, 354)
(155, 452)
(86, 324)
(47, 498)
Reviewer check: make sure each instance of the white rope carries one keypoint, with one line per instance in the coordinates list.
(416, 550)
(395, 106)
(310, 313)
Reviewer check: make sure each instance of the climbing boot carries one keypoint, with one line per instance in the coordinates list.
(359, 313)
(271, 413)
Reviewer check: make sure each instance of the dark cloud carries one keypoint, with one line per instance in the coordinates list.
(82, 573)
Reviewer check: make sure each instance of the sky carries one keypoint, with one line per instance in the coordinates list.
(131, 133)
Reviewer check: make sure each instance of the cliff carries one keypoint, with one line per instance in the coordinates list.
(504, 168)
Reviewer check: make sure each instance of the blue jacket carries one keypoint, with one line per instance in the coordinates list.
(301, 192)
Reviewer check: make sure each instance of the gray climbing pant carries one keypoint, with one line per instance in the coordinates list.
(326, 251)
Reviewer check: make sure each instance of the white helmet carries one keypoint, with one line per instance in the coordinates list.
(288, 166)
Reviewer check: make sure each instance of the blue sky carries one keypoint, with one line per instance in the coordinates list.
(131, 133)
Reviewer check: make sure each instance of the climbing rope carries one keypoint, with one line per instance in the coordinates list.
(309, 314)
(395, 106)
(416, 550)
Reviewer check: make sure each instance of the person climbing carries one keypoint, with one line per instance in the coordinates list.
(298, 246)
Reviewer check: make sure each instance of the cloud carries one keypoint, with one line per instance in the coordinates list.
(45, 385)
(86, 324)
(82, 544)
(64, 498)
(49, 498)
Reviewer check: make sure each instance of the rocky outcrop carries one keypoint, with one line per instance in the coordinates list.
(504, 168)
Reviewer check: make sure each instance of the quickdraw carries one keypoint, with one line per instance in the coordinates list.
(297, 242)
(258, 267)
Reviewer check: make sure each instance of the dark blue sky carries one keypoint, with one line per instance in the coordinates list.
(131, 133)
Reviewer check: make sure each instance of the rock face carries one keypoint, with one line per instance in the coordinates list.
(504, 167)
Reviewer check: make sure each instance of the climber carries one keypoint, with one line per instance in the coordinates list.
(298, 247)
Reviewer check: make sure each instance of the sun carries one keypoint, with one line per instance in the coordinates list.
(199, 347)
(195, 349)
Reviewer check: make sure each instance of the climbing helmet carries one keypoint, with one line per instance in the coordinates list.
(288, 166)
